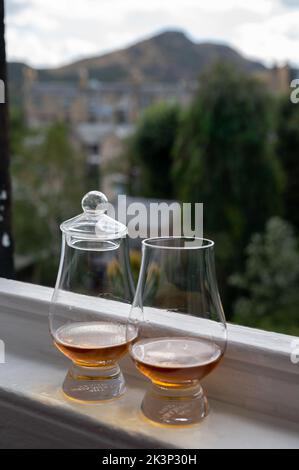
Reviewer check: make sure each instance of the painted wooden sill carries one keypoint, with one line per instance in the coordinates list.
(254, 393)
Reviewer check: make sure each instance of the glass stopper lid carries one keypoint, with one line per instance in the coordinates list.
(94, 223)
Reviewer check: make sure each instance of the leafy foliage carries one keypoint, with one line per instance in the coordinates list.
(232, 149)
(48, 185)
(288, 152)
(270, 280)
(223, 154)
(150, 151)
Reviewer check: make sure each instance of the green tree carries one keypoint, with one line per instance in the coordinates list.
(48, 183)
(269, 283)
(287, 152)
(223, 158)
(150, 151)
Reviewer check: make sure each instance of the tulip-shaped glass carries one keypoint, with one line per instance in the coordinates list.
(92, 301)
(178, 326)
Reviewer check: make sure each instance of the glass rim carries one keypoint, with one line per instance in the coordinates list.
(206, 243)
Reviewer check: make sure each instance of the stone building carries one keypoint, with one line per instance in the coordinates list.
(94, 101)
(277, 79)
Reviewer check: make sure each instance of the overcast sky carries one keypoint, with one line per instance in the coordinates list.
(53, 32)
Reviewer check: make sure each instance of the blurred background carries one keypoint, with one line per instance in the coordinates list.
(178, 100)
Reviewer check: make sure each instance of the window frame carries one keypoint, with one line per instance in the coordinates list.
(256, 373)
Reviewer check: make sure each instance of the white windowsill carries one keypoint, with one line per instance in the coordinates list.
(253, 394)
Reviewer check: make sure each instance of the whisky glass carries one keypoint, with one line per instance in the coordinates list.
(178, 325)
(91, 302)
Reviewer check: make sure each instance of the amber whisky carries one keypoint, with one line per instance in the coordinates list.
(175, 361)
(92, 344)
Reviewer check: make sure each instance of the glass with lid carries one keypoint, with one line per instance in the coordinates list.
(91, 301)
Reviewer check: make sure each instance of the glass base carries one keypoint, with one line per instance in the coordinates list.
(94, 384)
(175, 406)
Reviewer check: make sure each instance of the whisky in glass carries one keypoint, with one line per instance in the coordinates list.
(179, 327)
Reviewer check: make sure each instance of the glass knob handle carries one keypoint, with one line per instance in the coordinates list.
(94, 201)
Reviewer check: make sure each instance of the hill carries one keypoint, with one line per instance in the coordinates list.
(167, 57)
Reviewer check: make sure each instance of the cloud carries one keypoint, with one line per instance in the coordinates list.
(275, 39)
(290, 3)
(257, 6)
(54, 32)
(47, 52)
(13, 7)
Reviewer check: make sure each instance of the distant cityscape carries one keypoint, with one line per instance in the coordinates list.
(101, 113)
(105, 123)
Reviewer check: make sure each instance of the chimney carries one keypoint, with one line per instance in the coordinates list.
(83, 78)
